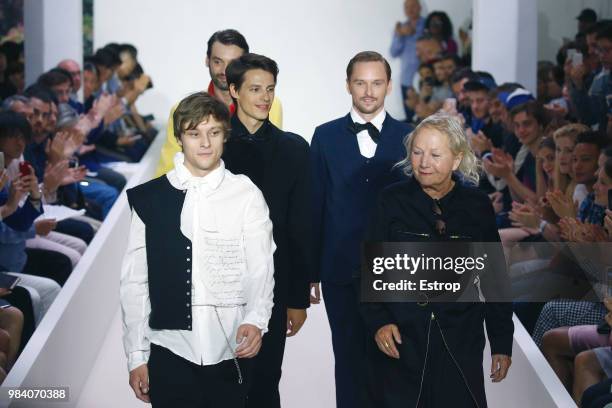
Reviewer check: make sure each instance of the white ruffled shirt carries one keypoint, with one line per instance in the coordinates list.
(227, 220)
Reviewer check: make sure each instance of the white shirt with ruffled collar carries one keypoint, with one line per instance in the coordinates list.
(227, 220)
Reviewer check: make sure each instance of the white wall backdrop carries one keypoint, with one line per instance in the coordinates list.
(311, 41)
(557, 20)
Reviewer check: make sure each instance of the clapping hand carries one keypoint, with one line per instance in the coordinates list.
(608, 223)
(405, 29)
(114, 113)
(525, 216)
(497, 201)
(74, 175)
(573, 230)
(479, 142)
(54, 175)
(499, 164)
(562, 205)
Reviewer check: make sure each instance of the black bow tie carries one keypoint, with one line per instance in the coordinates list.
(372, 130)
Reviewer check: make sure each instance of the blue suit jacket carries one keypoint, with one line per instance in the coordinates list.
(345, 187)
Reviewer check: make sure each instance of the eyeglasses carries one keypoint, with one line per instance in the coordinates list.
(440, 224)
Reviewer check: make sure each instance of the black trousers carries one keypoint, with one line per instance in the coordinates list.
(76, 228)
(175, 382)
(266, 373)
(48, 264)
(348, 342)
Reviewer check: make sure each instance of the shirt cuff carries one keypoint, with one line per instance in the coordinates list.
(248, 319)
(138, 358)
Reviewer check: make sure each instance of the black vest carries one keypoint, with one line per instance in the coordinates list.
(159, 205)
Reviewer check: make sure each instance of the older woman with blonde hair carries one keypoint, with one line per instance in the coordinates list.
(431, 354)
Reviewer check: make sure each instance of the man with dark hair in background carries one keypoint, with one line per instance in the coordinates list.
(278, 163)
(353, 159)
(478, 93)
(222, 48)
(457, 81)
(592, 104)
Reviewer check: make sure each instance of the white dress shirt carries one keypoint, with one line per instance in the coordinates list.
(367, 147)
(227, 220)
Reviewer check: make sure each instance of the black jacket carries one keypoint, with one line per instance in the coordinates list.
(405, 214)
(279, 164)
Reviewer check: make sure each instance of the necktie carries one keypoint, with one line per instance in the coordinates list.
(372, 130)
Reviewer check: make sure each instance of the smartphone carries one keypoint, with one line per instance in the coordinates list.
(577, 59)
(570, 53)
(610, 199)
(8, 281)
(452, 103)
(1, 161)
(24, 168)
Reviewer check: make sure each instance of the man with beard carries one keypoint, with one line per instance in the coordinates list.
(459, 78)
(352, 160)
(223, 47)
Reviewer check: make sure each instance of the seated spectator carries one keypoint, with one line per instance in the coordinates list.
(427, 49)
(491, 134)
(48, 147)
(459, 78)
(550, 83)
(580, 355)
(91, 84)
(519, 172)
(439, 26)
(107, 62)
(11, 323)
(74, 70)
(443, 66)
(498, 111)
(18, 226)
(590, 103)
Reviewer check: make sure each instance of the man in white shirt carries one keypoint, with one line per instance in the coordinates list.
(197, 281)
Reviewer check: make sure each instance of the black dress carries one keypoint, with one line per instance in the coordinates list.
(441, 355)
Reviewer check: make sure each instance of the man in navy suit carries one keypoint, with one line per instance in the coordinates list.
(353, 159)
